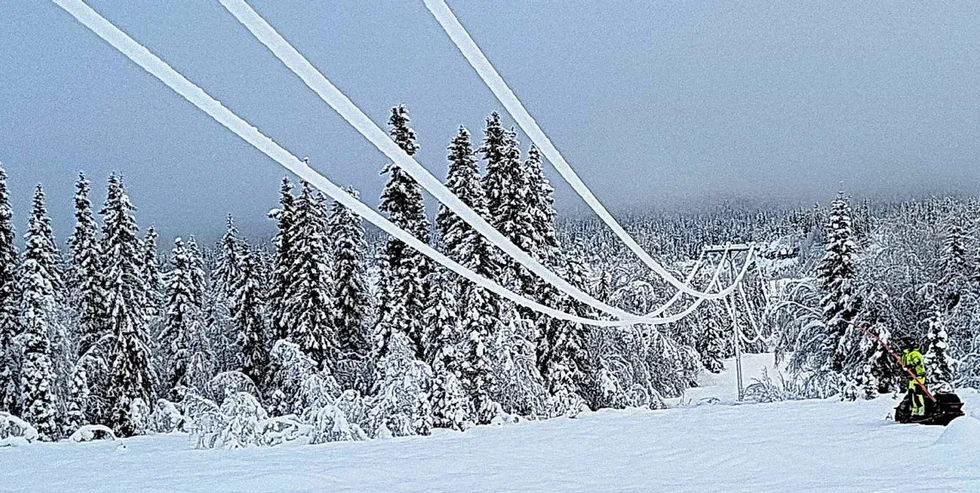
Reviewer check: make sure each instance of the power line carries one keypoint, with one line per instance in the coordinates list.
(199, 98)
(478, 60)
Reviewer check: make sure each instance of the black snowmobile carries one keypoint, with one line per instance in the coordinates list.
(944, 409)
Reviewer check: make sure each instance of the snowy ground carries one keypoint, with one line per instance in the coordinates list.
(793, 446)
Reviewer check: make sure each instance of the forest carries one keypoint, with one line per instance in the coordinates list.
(331, 332)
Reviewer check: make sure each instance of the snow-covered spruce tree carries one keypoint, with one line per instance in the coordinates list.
(938, 361)
(131, 378)
(216, 331)
(404, 271)
(201, 360)
(561, 351)
(309, 309)
(451, 406)
(518, 386)
(38, 399)
(567, 369)
(79, 399)
(249, 320)
(859, 379)
(463, 348)
(352, 303)
(9, 304)
(41, 247)
(840, 302)
(457, 239)
(507, 186)
(231, 252)
(281, 280)
(441, 317)
(150, 271)
(401, 404)
(883, 365)
(198, 272)
(955, 293)
(183, 312)
(712, 338)
(289, 366)
(477, 364)
(956, 264)
(541, 204)
(190, 362)
(89, 301)
(38, 321)
(494, 150)
(86, 382)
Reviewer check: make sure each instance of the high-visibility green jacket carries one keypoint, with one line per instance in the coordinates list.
(914, 361)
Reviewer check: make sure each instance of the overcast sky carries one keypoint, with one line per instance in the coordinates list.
(654, 103)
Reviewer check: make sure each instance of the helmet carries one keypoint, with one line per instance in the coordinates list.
(908, 343)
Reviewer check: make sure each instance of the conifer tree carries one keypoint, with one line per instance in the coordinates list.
(477, 367)
(38, 321)
(198, 272)
(563, 362)
(955, 258)
(309, 309)
(541, 205)
(351, 295)
(712, 339)
(232, 249)
(41, 246)
(955, 266)
(840, 302)
(248, 317)
(461, 349)
(38, 399)
(507, 186)
(201, 360)
(183, 316)
(451, 405)
(79, 397)
(458, 240)
(404, 270)
(131, 379)
(939, 362)
(150, 273)
(281, 280)
(9, 304)
(442, 321)
(494, 151)
(87, 271)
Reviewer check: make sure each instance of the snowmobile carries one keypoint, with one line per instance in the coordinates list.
(940, 408)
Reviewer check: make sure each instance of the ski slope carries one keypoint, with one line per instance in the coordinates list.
(810, 446)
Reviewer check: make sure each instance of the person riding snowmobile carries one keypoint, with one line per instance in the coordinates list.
(913, 360)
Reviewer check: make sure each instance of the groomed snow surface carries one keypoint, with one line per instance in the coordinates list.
(809, 446)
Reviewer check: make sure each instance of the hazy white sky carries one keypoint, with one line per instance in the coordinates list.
(658, 103)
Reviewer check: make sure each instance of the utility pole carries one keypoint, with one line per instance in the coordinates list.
(729, 305)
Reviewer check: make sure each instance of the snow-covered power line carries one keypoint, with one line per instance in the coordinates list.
(474, 55)
(336, 99)
(199, 98)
